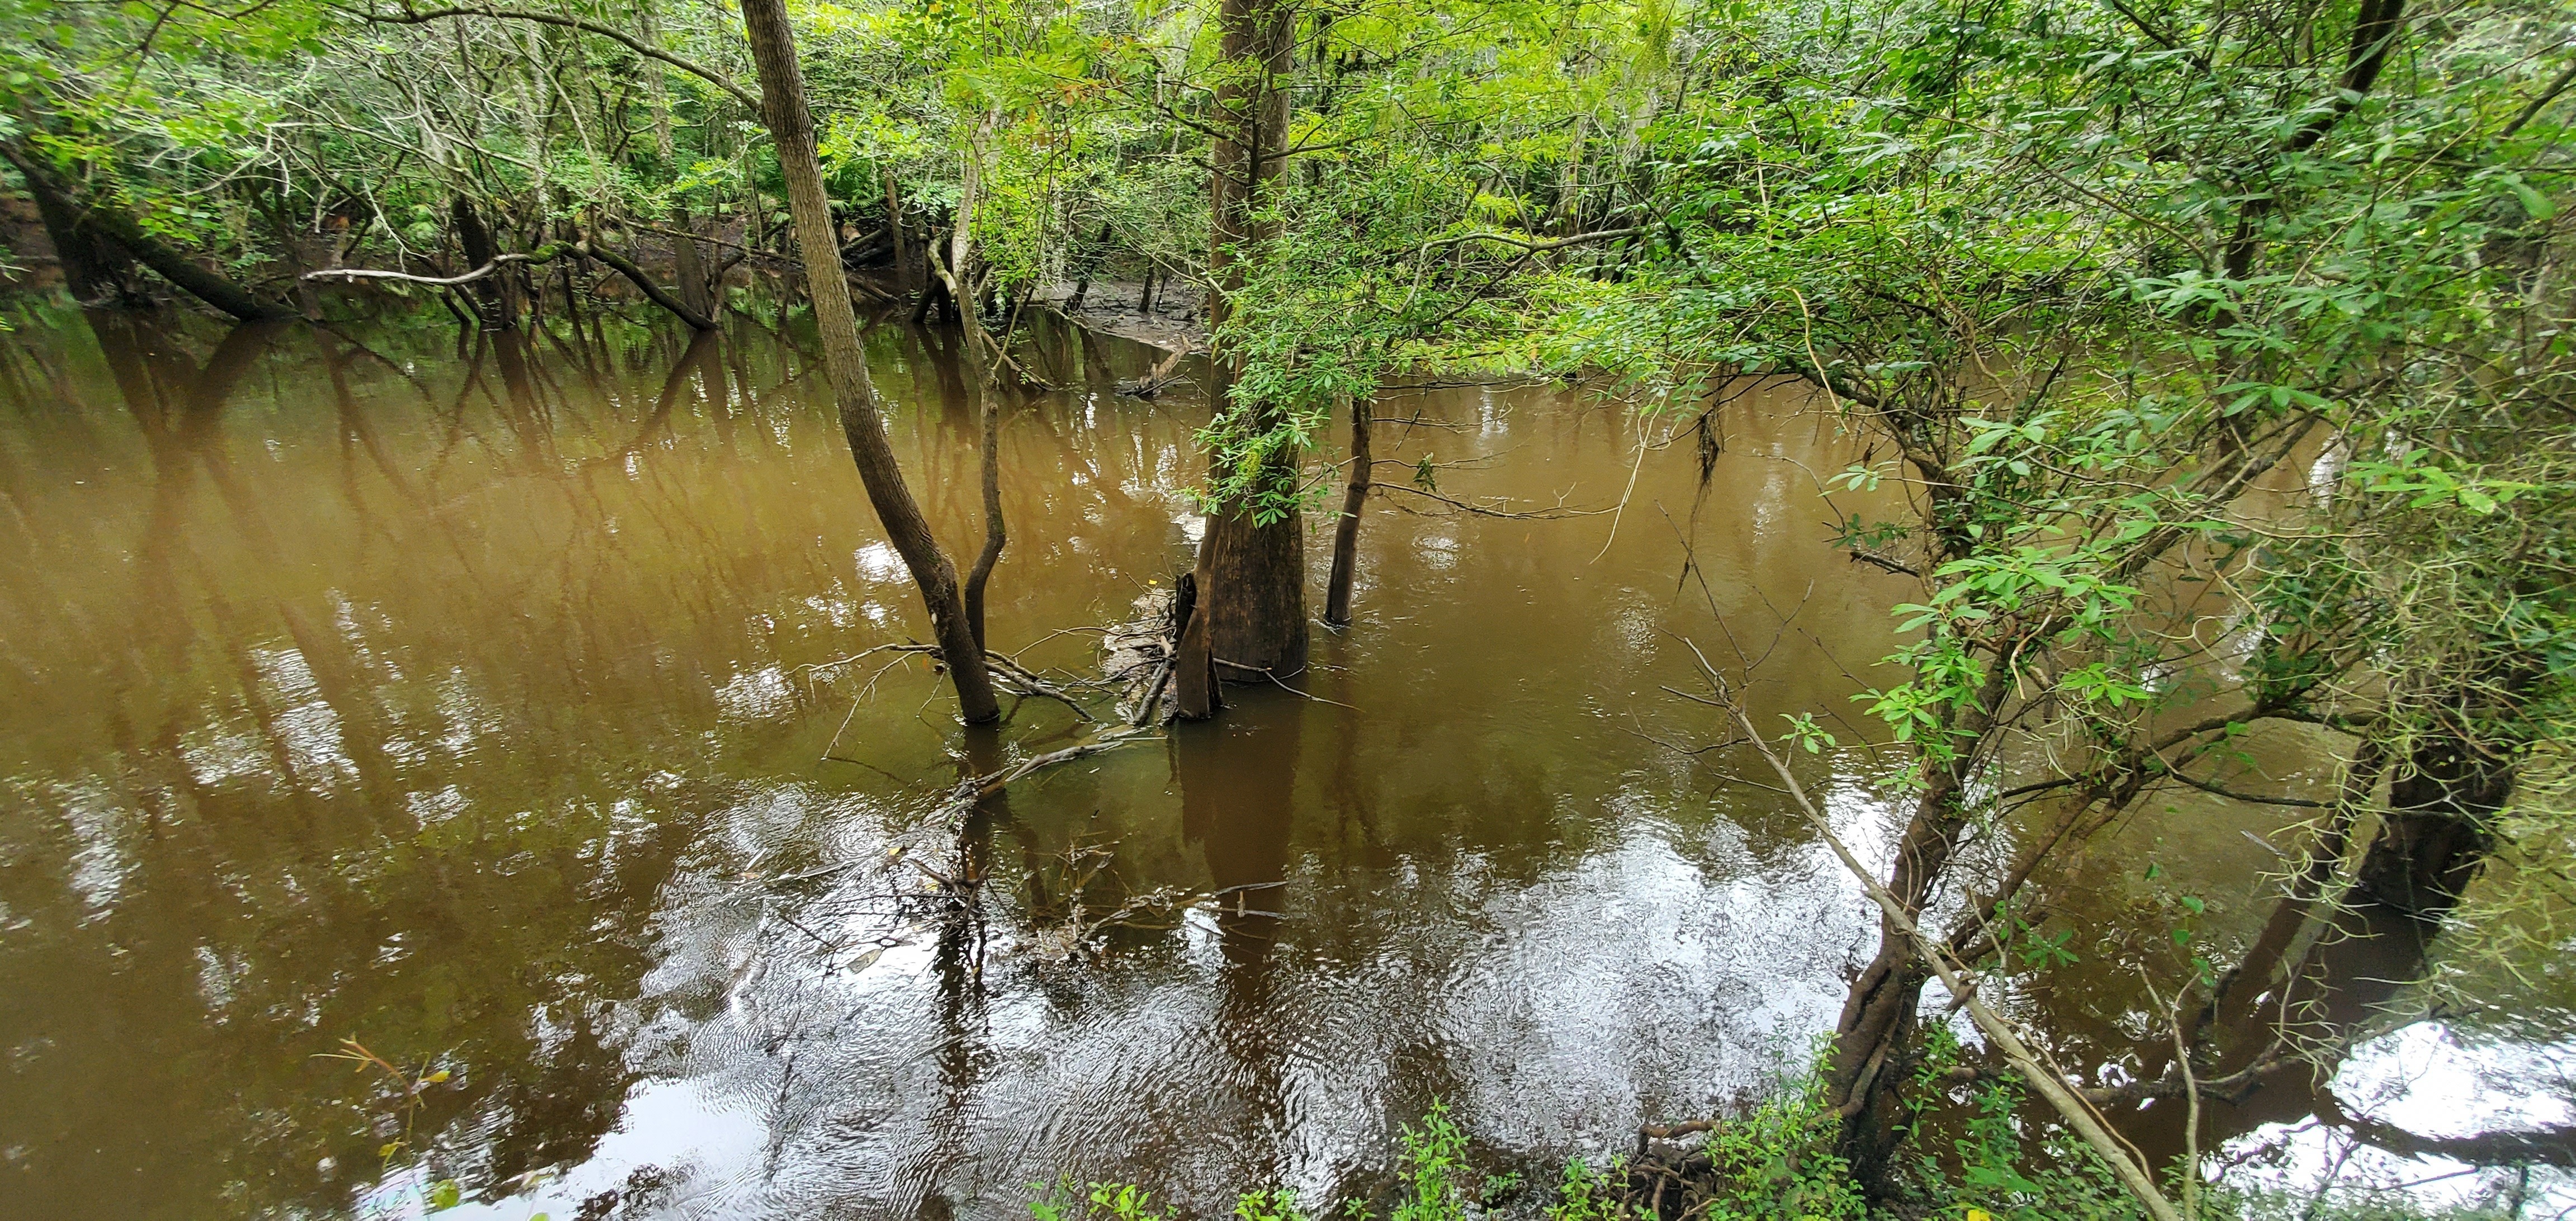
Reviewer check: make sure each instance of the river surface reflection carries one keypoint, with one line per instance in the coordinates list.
(456, 697)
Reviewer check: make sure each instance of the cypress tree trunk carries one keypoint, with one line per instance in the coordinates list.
(791, 129)
(1250, 618)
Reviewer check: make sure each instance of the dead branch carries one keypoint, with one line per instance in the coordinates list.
(1029, 682)
(1555, 513)
(1019, 679)
(1875, 560)
(359, 273)
(977, 788)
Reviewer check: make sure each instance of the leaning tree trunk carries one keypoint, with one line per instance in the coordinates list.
(97, 223)
(1346, 531)
(791, 130)
(94, 268)
(1250, 619)
(1876, 1030)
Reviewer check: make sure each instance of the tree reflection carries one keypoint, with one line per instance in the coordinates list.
(293, 777)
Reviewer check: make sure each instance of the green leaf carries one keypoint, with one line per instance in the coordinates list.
(2534, 204)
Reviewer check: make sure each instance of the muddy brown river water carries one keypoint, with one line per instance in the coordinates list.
(459, 698)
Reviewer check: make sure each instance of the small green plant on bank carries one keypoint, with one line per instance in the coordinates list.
(1999, 1179)
(1586, 1194)
(1066, 1200)
(1776, 1162)
(1435, 1156)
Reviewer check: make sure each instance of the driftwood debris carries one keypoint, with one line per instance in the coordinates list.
(1155, 382)
(1137, 657)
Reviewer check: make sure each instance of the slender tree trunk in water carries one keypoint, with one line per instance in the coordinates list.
(1082, 283)
(1145, 299)
(995, 536)
(695, 293)
(292, 250)
(687, 264)
(894, 226)
(981, 357)
(1250, 619)
(954, 270)
(103, 223)
(791, 130)
(1346, 532)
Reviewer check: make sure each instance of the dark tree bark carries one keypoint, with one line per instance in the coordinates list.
(95, 223)
(894, 226)
(500, 292)
(690, 266)
(2377, 29)
(791, 129)
(94, 268)
(996, 536)
(1251, 615)
(1346, 531)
